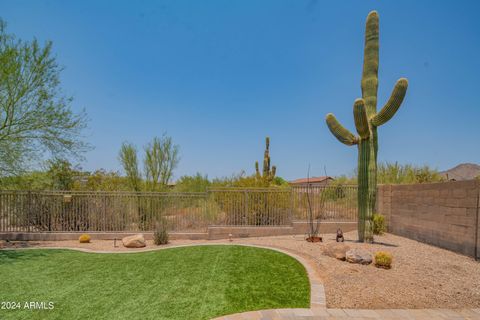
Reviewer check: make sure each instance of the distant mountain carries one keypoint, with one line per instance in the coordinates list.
(464, 171)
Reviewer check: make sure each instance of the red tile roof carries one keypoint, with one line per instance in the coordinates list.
(311, 180)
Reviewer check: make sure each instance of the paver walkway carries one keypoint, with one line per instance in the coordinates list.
(355, 314)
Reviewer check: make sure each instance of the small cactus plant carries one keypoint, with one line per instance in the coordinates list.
(379, 226)
(160, 235)
(84, 238)
(268, 172)
(367, 120)
(383, 260)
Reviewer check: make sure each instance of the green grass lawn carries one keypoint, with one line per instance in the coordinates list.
(180, 283)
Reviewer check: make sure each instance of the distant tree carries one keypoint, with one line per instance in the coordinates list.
(102, 180)
(161, 158)
(241, 180)
(195, 183)
(279, 181)
(61, 174)
(129, 160)
(344, 180)
(426, 174)
(33, 180)
(395, 173)
(35, 117)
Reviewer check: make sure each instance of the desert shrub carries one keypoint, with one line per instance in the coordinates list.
(195, 183)
(84, 238)
(383, 260)
(395, 173)
(160, 236)
(379, 225)
(333, 192)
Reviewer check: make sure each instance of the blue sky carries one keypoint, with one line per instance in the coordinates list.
(219, 76)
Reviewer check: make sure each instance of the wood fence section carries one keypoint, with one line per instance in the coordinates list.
(28, 211)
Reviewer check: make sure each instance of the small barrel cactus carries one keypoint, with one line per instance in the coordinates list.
(84, 238)
(383, 260)
(379, 225)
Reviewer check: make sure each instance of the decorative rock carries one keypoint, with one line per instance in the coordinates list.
(360, 256)
(336, 250)
(135, 241)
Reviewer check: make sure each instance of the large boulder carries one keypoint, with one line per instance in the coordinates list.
(135, 241)
(336, 250)
(360, 256)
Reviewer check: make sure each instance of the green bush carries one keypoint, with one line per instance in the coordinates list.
(383, 260)
(379, 226)
(160, 236)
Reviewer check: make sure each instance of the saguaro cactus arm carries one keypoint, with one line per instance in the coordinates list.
(392, 105)
(370, 63)
(361, 119)
(339, 131)
(257, 170)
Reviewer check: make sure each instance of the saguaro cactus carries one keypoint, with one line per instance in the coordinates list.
(267, 173)
(366, 122)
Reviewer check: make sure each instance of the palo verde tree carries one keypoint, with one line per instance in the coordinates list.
(35, 117)
(129, 160)
(268, 171)
(161, 158)
(367, 120)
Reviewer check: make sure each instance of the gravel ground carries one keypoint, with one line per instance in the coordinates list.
(422, 276)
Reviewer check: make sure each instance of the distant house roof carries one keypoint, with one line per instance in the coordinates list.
(311, 180)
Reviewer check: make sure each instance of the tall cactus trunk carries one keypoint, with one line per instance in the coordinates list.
(367, 187)
(366, 122)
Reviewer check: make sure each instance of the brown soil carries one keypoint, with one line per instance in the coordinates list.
(421, 276)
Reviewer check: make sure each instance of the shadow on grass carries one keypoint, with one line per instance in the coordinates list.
(18, 244)
(13, 256)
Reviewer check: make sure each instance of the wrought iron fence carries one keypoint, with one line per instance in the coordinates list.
(29, 211)
(331, 203)
(251, 207)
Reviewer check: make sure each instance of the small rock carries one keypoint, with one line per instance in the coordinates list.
(135, 241)
(360, 256)
(336, 250)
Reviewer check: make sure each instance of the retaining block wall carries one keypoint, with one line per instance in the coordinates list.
(442, 214)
